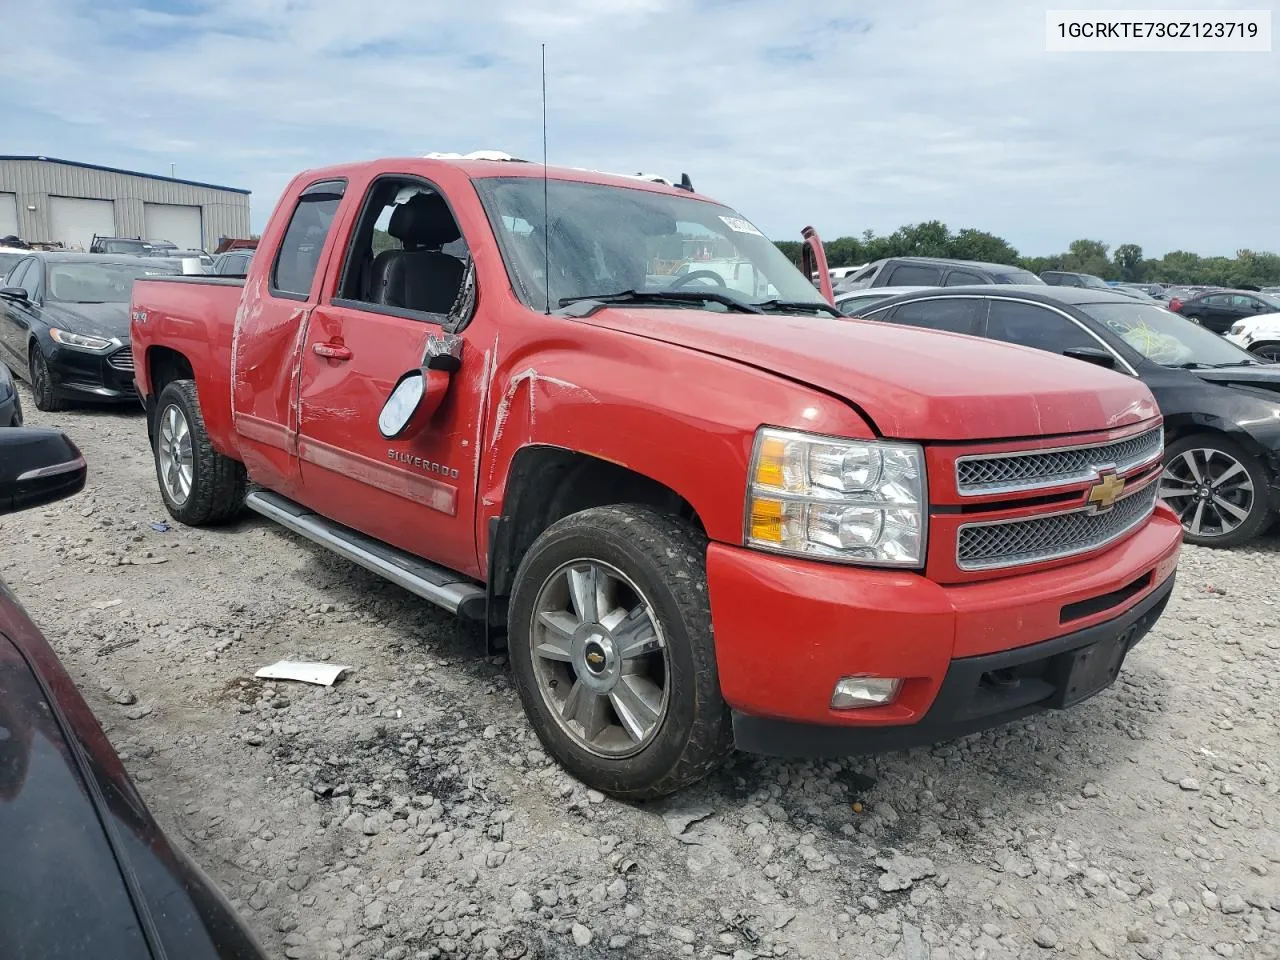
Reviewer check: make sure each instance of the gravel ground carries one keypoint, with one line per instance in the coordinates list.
(408, 812)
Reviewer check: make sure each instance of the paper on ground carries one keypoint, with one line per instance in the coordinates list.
(321, 673)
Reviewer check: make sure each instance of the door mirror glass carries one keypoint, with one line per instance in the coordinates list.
(38, 467)
(1091, 355)
(405, 400)
(13, 293)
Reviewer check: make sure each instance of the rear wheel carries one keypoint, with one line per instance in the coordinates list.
(1218, 490)
(42, 390)
(612, 651)
(199, 486)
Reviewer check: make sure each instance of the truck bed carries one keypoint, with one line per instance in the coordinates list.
(193, 317)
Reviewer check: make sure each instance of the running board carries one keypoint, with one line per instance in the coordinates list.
(440, 586)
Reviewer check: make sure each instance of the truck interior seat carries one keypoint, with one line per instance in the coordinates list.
(419, 277)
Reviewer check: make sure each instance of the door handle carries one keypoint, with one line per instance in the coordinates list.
(333, 351)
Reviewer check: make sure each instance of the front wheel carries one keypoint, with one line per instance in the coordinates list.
(612, 651)
(42, 389)
(1218, 490)
(199, 486)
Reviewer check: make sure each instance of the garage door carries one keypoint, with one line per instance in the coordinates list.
(8, 215)
(177, 224)
(74, 221)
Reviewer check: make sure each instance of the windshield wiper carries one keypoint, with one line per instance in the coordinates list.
(1196, 365)
(668, 296)
(771, 305)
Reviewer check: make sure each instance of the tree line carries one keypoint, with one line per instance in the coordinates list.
(1126, 262)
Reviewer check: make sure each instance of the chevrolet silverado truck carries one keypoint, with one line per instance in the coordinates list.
(697, 512)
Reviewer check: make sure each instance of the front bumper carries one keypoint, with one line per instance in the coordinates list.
(787, 631)
(83, 375)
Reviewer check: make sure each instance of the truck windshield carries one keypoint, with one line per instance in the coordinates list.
(1166, 338)
(608, 240)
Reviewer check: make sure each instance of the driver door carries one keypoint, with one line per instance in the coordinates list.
(399, 275)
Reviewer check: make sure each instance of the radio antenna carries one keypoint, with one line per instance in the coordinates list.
(546, 208)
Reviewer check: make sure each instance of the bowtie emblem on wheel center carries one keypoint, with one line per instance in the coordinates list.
(594, 656)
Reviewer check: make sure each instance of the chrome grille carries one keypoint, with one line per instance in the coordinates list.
(1011, 543)
(121, 360)
(1042, 469)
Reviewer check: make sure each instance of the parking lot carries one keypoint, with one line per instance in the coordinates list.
(409, 812)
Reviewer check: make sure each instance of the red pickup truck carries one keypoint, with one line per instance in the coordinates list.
(606, 417)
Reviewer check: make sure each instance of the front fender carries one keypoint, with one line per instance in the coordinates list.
(683, 419)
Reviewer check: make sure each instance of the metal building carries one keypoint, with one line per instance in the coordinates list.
(43, 199)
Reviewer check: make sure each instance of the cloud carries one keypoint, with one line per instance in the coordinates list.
(841, 116)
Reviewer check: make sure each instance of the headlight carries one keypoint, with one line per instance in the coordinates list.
(79, 340)
(856, 501)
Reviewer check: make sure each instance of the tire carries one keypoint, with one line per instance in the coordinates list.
(1267, 351)
(662, 564)
(17, 410)
(215, 485)
(42, 390)
(1209, 498)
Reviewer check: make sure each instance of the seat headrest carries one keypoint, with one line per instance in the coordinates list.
(423, 221)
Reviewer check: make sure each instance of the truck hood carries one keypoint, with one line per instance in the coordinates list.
(912, 384)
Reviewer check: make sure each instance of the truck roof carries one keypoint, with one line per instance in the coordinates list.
(479, 169)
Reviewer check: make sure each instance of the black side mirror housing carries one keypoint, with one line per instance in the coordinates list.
(37, 467)
(1091, 355)
(13, 293)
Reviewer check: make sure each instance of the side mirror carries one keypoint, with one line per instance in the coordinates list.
(418, 394)
(38, 467)
(13, 293)
(1102, 358)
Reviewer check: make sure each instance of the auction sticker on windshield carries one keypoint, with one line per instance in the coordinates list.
(738, 225)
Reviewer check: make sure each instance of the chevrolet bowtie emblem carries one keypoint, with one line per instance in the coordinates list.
(1104, 494)
(595, 659)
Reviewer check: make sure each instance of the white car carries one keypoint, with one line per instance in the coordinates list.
(1259, 335)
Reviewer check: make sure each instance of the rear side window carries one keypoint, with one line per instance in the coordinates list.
(1034, 326)
(913, 275)
(959, 278)
(953, 314)
(299, 256)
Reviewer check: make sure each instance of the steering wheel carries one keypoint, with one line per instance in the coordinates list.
(697, 275)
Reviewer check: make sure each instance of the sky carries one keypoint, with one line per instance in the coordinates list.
(848, 116)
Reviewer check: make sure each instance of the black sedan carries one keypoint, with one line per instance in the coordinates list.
(1217, 310)
(1221, 405)
(85, 871)
(64, 324)
(10, 405)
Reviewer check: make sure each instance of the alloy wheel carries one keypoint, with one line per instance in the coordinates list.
(600, 658)
(174, 451)
(1210, 490)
